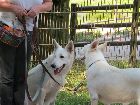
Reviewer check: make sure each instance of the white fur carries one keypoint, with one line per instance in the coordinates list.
(41, 87)
(107, 83)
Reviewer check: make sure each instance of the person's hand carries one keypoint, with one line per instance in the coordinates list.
(34, 11)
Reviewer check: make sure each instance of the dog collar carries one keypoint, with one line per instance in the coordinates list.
(93, 63)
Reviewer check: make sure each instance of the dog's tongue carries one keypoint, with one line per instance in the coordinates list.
(56, 71)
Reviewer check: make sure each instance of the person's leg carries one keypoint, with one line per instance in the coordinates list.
(20, 74)
(19, 83)
(7, 58)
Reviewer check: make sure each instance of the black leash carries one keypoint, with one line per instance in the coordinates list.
(36, 52)
(44, 68)
(23, 21)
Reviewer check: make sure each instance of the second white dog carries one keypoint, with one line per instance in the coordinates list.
(107, 83)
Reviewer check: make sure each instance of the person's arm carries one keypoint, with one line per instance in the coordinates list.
(4, 5)
(45, 6)
(7, 6)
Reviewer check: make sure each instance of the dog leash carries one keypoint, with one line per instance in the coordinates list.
(36, 52)
(23, 21)
(44, 68)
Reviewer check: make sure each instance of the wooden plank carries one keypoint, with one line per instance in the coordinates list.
(104, 7)
(73, 22)
(111, 25)
(109, 43)
(81, 44)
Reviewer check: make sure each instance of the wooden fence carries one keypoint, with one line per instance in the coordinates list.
(119, 22)
(56, 24)
(52, 25)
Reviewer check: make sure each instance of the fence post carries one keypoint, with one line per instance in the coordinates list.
(134, 33)
(73, 22)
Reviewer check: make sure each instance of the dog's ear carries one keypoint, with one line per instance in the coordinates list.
(94, 44)
(70, 47)
(56, 45)
(102, 46)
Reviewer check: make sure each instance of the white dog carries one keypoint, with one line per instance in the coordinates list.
(42, 88)
(107, 83)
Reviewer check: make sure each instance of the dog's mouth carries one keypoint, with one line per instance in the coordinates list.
(58, 70)
(83, 58)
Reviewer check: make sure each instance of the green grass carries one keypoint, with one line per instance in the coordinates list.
(69, 98)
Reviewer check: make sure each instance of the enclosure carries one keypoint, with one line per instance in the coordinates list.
(115, 21)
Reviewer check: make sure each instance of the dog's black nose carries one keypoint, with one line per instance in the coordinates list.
(53, 65)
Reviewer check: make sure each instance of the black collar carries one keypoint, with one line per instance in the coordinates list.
(93, 63)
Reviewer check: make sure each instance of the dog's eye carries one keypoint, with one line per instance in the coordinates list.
(61, 56)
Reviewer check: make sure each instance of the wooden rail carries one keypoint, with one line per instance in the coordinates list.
(111, 25)
(104, 7)
(109, 43)
(81, 44)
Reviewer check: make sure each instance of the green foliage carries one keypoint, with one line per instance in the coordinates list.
(88, 36)
(76, 74)
(102, 15)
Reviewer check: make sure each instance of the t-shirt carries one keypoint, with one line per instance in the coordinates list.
(10, 18)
